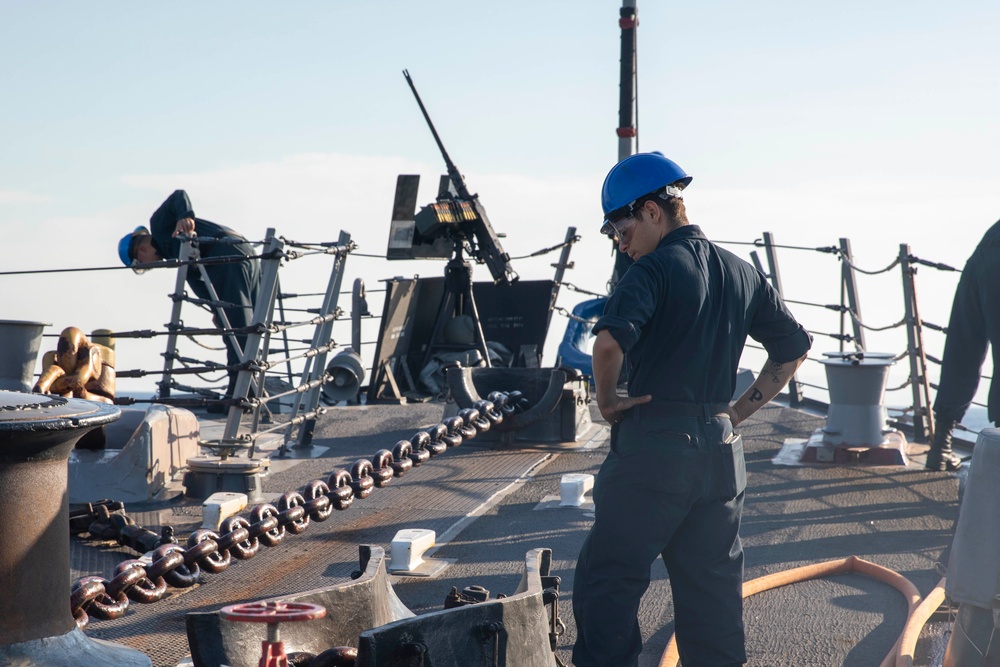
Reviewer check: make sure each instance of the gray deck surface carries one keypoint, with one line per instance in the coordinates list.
(898, 517)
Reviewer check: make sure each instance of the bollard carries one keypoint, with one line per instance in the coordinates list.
(37, 434)
(22, 341)
(856, 416)
(857, 424)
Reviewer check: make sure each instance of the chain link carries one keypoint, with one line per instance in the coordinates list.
(240, 539)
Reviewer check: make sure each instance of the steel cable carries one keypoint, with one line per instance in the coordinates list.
(545, 251)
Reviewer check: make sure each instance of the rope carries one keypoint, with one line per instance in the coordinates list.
(202, 345)
(854, 267)
(868, 328)
(545, 251)
(844, 309)
(902, 386)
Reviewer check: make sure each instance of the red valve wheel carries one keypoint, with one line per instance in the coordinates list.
(272, 612)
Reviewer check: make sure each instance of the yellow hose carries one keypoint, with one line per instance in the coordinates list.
(915, 623)
(851, 564)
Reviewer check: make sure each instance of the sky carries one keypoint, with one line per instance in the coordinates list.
(813, 121)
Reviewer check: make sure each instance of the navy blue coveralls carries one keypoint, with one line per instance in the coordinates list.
(673, 481)
(235, 283)
(974, 325)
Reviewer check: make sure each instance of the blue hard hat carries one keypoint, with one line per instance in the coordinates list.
(125, 245)
(638, 175)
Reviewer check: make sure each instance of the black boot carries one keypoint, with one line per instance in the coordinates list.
(940, 457)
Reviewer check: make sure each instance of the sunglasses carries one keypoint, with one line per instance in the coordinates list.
(615, 230)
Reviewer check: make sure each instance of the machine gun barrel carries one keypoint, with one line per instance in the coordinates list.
(470, 216)
(453, 173)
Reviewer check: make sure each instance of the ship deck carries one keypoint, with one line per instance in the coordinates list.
(489, 505)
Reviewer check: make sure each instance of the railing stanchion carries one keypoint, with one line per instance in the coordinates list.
(175, 320)
(850, 288)
(923, 427)
(280, 301)
(307, 405)
(560, 268)
(794, 388)
(358, 304)
(262, 313)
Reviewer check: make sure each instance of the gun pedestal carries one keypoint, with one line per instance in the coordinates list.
(457, 300)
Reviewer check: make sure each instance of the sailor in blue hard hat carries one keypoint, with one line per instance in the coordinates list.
(235, 273)
(633, 181)
(674, 478)
(136, 248)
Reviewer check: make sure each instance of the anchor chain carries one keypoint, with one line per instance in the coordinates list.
(240, 539)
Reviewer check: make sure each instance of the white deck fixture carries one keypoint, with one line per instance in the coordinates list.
(573, 487)
(408, 548)
(220, 506)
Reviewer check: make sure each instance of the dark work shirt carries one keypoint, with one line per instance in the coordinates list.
(683, 312)
(164, 221)
(991, 239)
(234, 282)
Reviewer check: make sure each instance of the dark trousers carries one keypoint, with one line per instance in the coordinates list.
(974, 324)
(670, 486)
(237, 284)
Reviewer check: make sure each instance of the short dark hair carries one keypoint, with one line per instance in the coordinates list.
(133, 244)
(673, 207)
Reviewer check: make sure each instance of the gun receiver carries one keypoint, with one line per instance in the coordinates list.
(462, 214)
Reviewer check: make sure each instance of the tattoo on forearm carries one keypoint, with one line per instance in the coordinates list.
(755, 395)
(774, 370)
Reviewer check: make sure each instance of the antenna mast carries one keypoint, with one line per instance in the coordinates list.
(628, 112)
(627, 99)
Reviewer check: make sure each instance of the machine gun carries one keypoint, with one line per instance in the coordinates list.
(460, 216)
(457, 218)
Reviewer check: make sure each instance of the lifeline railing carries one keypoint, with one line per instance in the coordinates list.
(255, 354)
(852, 327)
(262, 350)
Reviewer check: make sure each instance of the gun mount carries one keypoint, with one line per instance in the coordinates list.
(455, 224)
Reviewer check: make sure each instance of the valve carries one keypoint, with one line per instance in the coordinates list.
(272, 613)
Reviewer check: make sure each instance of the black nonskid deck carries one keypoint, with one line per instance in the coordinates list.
(900, 518)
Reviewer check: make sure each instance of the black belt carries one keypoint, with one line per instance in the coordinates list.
(664, 408)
